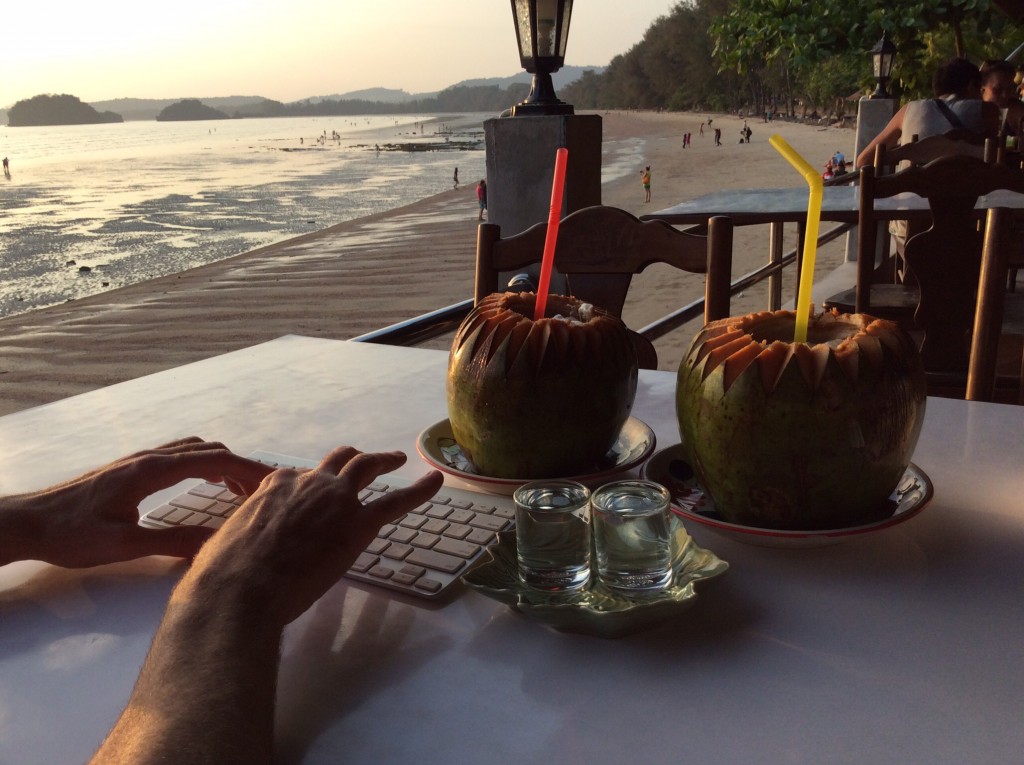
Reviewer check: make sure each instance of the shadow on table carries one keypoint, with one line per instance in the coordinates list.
(346, 648)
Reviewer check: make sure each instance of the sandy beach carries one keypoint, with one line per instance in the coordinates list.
(369, 273)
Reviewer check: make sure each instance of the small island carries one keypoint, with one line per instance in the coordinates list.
(57, 110)
(189, 109)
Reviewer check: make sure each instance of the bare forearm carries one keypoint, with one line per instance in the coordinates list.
(19, 531)
(206, 690)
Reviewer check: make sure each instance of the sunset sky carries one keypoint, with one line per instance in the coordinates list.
(283, 50)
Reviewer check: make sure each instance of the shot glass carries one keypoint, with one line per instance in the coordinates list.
(553, 535)
(632, 536)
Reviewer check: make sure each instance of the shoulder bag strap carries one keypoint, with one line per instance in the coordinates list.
(949, 114)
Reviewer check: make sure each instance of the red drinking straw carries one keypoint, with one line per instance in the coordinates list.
(554, 215)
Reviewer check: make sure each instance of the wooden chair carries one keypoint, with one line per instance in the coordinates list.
(945, 258)
(600, 248)
(894, 290)
(988, 316)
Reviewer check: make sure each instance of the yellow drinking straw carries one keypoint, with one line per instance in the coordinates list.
(813, 178)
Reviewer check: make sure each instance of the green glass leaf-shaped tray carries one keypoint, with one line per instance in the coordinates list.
(596, 610)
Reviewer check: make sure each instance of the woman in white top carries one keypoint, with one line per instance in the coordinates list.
(957, 106)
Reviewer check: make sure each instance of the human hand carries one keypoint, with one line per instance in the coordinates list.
(94, 519)
(300, 532)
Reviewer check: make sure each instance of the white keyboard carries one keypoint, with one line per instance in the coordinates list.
(424, 553)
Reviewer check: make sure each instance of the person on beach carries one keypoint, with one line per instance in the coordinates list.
(701, 130)
(212, 668)
(481, 198)
(718, 136)
(645, 179)
(455, 179)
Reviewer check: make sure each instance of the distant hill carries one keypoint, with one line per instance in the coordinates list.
(148, 108)
(378, 95)
(561, 78)
(57, 110)
(188, 110)
(258, 106)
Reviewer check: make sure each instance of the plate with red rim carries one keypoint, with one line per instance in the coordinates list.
(437, 446)
(670, 468)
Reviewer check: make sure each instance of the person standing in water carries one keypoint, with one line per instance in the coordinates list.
(645, 179)
(455, 179)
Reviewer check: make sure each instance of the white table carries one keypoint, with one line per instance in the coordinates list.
(905, 647)
(789, 205)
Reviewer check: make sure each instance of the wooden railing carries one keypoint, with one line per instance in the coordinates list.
(436, 323)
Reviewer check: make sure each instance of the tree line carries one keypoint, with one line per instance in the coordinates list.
(794, 57)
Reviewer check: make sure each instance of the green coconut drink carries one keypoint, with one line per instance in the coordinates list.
(538, 399)
(811, 435)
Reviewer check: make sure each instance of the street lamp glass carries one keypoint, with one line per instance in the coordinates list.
(542, 31)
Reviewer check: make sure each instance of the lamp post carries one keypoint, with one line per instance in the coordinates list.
(882, 57)
(542, 31)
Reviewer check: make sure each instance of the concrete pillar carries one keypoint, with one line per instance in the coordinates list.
(521, 164)
(521, 167)
(872, 116)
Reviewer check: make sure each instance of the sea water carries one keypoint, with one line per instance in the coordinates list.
(87, 208)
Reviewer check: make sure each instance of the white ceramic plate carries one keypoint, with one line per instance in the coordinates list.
(437, 446)
(670, 468)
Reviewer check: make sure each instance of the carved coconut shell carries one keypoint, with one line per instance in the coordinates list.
(811, 435)
(537, 399)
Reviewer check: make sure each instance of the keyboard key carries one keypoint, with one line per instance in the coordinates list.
(381, 572)
(481, 537)
(178, 515)
(431, 559)
(192, 502)
(222, 509)
(425, 541)
(377, 546)
(398, 551)
(365, 562)
(455, 547)
(488, 522)
(434, 526)
(402, 536)
(196, 519)
(428, 585)
(457, 531)
(439, 511)
(408, 574)
(461, 516)
(208, 490)
(413, 521)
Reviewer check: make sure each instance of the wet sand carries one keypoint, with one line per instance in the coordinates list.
(369, 273)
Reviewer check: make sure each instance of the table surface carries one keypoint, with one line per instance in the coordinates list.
(903, 646)
(789, 205)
